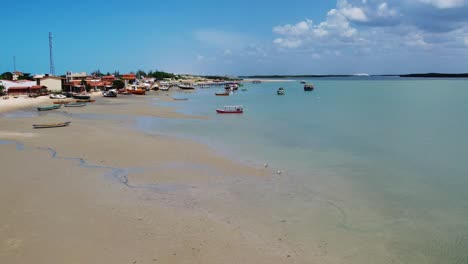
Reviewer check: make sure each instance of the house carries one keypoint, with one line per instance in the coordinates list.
(53, 83)
(108, 79)
(70, 76)
(21, 90)
(129, 78)
(17, 84)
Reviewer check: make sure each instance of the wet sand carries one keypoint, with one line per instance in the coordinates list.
(100, 192)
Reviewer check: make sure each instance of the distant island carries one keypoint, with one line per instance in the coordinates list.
(412, 75)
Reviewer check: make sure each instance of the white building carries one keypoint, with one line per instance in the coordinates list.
(23, 83)
(75, 76)
(53, 83)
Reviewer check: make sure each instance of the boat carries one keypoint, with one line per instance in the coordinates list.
(186, 87)
(75, 105)
(164, 88)
(61, 102)
(52, 125)
(82, 97)
(308, 87)
(47, 108)
(57, 96)
(256, 82)
(231, 86)
(180, 99)
(280, 91)
(137, 91)
(222, 93)
(303, 82)
(86, 101)
(233, 109)
(109, 94)
(244, 89)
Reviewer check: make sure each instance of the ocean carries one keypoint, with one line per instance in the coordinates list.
(364, 170)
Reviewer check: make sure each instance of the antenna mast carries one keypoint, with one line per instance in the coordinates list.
(51, 57)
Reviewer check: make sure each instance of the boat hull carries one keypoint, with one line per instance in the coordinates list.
(75, 105)
(221, 111)
(82, 97)
(48, 108)
(51, 125)
(86, 101)
(222, 94)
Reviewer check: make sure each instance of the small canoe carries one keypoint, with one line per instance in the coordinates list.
(75, 105)
(244, 89)
(61, 102)
(222, 94)
(235, 109)
(47, 108)
(137, 91)
(180, 99)
(51, 125)
(82, 97)
(86, 101)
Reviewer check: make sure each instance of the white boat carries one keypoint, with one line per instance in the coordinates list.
(57, 96)
(231, 109)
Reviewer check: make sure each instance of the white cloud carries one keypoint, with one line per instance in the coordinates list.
(288, 43)
(444, 4)
(351, 12)
(294, 30)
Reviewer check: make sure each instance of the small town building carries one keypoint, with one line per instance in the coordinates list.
(70, 76)
(129, 78)
(53, 83)
(32, 90)
(22, 83)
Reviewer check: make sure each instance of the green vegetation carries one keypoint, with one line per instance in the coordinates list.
(224, 78)
(2, 88)
(118, 84)
(436, 75)
(140, 74)
(160, 75)
(6, 76)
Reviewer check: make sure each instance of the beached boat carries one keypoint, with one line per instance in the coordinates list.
(57, 96)
(180, 99)
(308, 87)
(233, 109)
(75, 105)
(186, 87)
(61, 102)
(51, 125)
(86, 101)
(47, 108)
(82, 97)
(109, 94)
(164, 88)
(137, 91)
(222, 93)
(280, 91)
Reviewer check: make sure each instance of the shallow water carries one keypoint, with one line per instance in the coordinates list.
(374, 170)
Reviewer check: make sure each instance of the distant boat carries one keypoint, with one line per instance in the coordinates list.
(86, 101)
(256, 82)
(186, 87)
(244, 89)
(57, 96)
(109, 94)
(222, 93)
(51, 125)
(303, 82)
(82, 97)
(164, 88)
(308, 87)
(61, 102)
(180, 99)
(137, 91)
(50, 107)
(234, 109)
(75, 105)
(280, 91)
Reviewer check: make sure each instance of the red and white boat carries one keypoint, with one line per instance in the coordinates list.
(234, 109)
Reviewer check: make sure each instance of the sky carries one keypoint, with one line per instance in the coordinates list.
(237, 37)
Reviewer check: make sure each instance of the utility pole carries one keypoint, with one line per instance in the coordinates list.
(14, 63)
(51, 57)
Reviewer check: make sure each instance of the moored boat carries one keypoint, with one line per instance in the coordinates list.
(47, 108)
(244, 89)
(308, 87)
(86, 101)
(137, 91)
(280, 91)
(232, 109)
(303, 82)
(61, 102)
(186, 87)
(62, 124)
(222, 93)
(57, 96)
(82, 97)
(75, 105)
(109, 94)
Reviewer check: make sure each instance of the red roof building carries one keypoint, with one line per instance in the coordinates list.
(129, 77)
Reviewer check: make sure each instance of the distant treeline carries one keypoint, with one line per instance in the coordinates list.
(436, 75)
(225, 78)
(292, 76)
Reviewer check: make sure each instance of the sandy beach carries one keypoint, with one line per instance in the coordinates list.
(100, 192)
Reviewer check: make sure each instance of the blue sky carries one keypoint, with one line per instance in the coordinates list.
(237, 37)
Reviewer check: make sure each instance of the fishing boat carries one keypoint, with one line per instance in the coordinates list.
(180, 99)
(164, 88)
(86, 101)
(51, 125)
(232, 109)
(303, 82)
(222, 93)
(256, 82)
(137, 91)
(109, 94)
(186, 87)
(61, 102)
(82, 97)
(57, 96)
(75, 105)
(308, 87)
(280, 91)
(47, 108)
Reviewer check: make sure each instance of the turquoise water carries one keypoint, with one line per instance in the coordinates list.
(387, 157)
